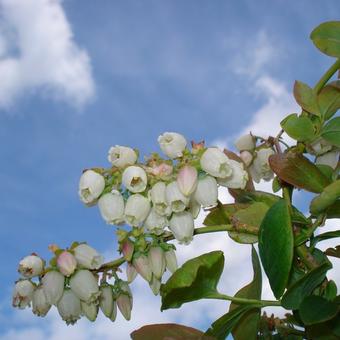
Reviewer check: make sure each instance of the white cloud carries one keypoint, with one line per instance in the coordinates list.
(38, 52)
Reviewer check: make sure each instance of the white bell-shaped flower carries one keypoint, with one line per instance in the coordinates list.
(260, 167)
(90, 310)
(137, 209)
(175, 199)
(172, 144)
(245, 142)
(31, 266)
(111, 207)
(171, 260)
(143, 267)
(206, 193)
(125, 301)
(69, 307)
(66, 263)
(91, 185)
(187, 180)
(85, 286)
(53, 286)
(40, 306)
(114, 312)
(247, 157)
(87, 257)
(158, 198)
(131, 272)
(134, 178)
(182, 226)
(157, 261)
(121, 156)
(194, 207)
(216, 163)
(155, 223)
(22, 294)
(238, 179)
(106, 300)
(155, 285)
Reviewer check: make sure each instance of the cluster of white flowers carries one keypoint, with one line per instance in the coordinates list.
(72, 284)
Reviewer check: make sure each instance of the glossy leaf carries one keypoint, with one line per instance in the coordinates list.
(247, 327)
(326, 37)
(325, 236)
(329, 100)
(306, 97)
(299, 128)
(304, 286)
(330, 291)
(195, 280)
(222, 214)
(298, 171)
(168, 331)
(331, 131)
(276, 244)
(243, 238)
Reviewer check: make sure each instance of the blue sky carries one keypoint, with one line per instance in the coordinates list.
(122, 72)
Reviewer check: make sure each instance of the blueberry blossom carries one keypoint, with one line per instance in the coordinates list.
(156, 223)
(91, 185)
(329, 158)
(69, 307)
(131, 272)
(215, 163)
(247, 157)
(172, 144)
(143, 268)
(22, 294)
(155, 285)
(90, 310)
(245, 142)
(158, 198)
(121, 156)
(84, 284)
(260, 168)
(206, 193)
(31, 266)
(171, 260)
(157, 261)
(134, 179)
(66, 263)
(187, 180)
(124, 300)
(111, 207)
(40, 305)
(53, 286)
(106, 300)
(182, 226)
(137, 209)
(175, 199)
(238, 179)
(87, 257)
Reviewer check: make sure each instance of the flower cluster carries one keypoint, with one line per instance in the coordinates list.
(71, 283)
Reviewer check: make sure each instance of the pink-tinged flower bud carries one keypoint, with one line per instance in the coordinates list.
(124, 301)
(31, 266)
(196, 147)
(330, 158)
(157, 261)
(143, 267)
(134, 179)
(182, 226)
(53, 286)
(162, 171)
(238, 179)
(91, 185)
(215, 163)
(90, 310)
(22, 294)
(114, 312)
(158, 198)
(131, 272)
(171, 260)
(85, 286)
(194, 207)
(187, 180)
(69, 307)
(127, 249)
(40, 306)
(172, 144)
(66, 263)
(121, 156)
(206, 193)
(137, 209)
(260, 167)
(156, 223)
(155, 285)
(111, 207)
(246, 157)
(87, 257)
(175, 199)
(106, 300)
(246, 142)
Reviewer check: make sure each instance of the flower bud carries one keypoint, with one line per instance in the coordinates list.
(155, 285)
(330, 158)
(131, 272)
(215, 163)
(194, 207)
(143, 267)
(66, 263)
(121, 156)
(87, 257)
(90, 310)
(187, 180)
(157, 261)
(171, 260)
(162, 171)
(260, 167)
(134, 179)
(197, 147)
(85, 286)
(245, 142)
(182, 226)
(22, 294)
(53, 286)
(91, 185)
(31, 266)
(155, 223)
(206, 193)
(106, 300)
(40, 306)
(111, 207)
(69, 307)
(114, 312)
(246, 157)
(238, 179)
(158, 198)
(127, 249)
(175, 199)
(124, 301)
(172, 144)
(137, 209)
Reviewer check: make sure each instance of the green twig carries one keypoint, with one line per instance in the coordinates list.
(327, 75)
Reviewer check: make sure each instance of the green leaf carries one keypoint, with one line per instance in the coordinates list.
(326, 170)
(168, 331)
(331, 132)
(329, 330)
(276, 244)
(304, 286)
(330, 291)
(247, 327)
(299, 128)
(324, 236)
(222, 327)
(298, 171)
(306, 98)
(222, 214)
(329, 100)
(333, 211)
(335, 252)
(326, 37)
(195, 280)
(328, 196)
